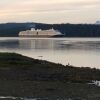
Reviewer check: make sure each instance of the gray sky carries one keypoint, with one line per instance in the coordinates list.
(50, 11)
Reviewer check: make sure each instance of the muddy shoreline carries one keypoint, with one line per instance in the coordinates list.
(25, 77)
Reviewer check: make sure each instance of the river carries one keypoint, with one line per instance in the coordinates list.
(80, 52)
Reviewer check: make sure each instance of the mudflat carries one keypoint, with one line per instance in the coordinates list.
(22, 76)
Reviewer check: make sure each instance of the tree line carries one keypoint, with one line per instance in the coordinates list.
(74, 30)
(69, 30)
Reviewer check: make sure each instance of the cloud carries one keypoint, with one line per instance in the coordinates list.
(14, 7)
(62, 6)
(41, 10)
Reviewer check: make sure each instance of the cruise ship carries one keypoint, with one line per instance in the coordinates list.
(40, 33)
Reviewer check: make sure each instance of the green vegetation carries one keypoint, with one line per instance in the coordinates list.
(24, 76)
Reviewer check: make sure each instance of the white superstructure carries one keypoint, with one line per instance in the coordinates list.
(39, 33)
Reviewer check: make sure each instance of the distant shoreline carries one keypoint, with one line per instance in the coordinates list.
(69, 30)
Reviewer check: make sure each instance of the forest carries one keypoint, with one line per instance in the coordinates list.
(69, 30)
(74, 30)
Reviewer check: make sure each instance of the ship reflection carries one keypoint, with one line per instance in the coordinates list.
(37, 44)
(53, 44)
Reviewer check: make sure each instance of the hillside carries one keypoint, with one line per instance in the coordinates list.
(69, 30)
(74, 30)
(12, 29)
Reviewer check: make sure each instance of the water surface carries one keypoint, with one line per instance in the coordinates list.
(75, 51)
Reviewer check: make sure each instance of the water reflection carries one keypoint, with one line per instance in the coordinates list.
(53, 44)
(37, 44)
(81, 45)
(14, 44)
(50, 44)
(76, 51)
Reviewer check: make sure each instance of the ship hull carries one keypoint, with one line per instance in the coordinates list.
(39, 36)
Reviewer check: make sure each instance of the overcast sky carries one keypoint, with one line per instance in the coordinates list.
(50, 11)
